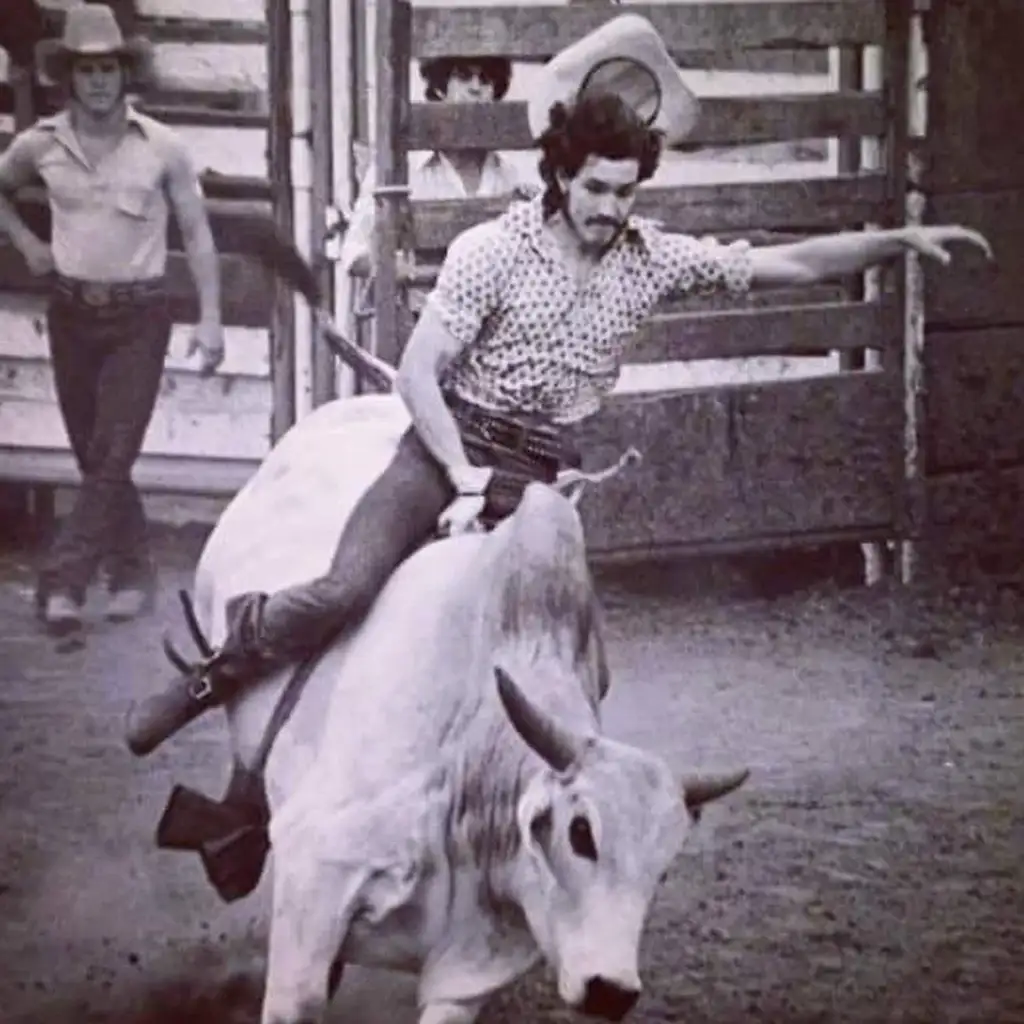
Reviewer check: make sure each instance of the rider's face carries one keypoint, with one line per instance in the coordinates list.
(599, 199)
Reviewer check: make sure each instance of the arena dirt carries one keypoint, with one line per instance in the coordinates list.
(869, 872)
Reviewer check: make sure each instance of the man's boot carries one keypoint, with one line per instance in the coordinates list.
(205, 684)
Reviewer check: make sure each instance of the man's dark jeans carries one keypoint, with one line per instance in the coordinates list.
(398, 514)
(108, 359)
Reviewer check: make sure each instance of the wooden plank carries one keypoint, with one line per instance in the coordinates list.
(245, 287)
(220, 31)
(158, 99)
(282, 309)
(391, 37)
(153, 474)
(972, 292)
(24, 380)
(172, 432)
(973, 526)
(746, 463)
(228, 218)
(23, 338)
(220, 150)
(791, 330)
(539, 32)
(974, 139)
(757, 62)
(727, 120)
(831, 203)
(247, 10)
(181, 28)
(974, 391)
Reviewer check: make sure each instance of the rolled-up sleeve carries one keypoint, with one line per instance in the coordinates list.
(701, 266)
(470, 283)
(19, 162)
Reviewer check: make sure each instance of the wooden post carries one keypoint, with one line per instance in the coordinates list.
(323, 388)
(282, 330)
(345, 97)
(900, 361)
(392, 34)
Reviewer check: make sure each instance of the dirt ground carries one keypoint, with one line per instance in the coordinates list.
(869, 872)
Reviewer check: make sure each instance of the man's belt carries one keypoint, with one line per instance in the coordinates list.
(532, 440)
(100, 294)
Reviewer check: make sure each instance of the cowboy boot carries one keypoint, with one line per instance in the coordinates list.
(205, 684)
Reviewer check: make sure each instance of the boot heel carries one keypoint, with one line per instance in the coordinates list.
(151, 721)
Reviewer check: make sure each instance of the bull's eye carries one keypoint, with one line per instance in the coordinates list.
(581, 838)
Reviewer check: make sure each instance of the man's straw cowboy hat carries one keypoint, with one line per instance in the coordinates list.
(627, 57)
(91, 30)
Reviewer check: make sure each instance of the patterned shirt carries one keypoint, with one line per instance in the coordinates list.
(532, 340)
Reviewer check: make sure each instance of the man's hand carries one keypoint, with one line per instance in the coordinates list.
(39, 257)
(462, 515)
(931, 240)
(207, 338)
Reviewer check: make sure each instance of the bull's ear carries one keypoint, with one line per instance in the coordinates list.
(702, 789)
(559, 747)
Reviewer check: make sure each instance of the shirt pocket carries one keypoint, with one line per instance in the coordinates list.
(134, 201)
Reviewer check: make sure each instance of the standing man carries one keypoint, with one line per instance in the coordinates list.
(112, 176)
(523, 337)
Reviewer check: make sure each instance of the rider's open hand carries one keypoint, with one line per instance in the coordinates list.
(931, 241)
(462, 516)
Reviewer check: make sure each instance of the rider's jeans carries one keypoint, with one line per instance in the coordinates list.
(394, 517)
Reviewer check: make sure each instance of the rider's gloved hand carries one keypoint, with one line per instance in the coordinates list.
(462, 515)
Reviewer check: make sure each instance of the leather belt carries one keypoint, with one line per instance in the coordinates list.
(532, 440)
(101, 294)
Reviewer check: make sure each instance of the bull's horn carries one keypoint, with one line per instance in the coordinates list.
(539, 731)
(705, 788)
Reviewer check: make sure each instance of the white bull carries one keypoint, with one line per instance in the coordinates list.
(443, 800)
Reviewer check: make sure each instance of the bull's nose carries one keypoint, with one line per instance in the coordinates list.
(608, 1000)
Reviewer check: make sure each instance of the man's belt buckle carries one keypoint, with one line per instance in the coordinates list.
(96, 293)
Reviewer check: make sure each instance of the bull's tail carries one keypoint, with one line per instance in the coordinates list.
(262, 240)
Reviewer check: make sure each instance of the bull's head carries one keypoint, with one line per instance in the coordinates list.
(599, 831)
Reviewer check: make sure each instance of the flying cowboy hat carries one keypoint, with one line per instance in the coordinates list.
(627, 57)
(91, 30)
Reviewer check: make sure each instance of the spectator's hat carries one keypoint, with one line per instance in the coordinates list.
(91, 30)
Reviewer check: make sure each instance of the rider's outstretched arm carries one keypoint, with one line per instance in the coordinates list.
(850, 252)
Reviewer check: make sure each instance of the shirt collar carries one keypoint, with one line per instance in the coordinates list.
(60, 124)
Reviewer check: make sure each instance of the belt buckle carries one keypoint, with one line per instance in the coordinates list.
(96, 293)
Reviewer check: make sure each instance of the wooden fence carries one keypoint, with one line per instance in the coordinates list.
(215, 65)
(973, 367)
(734, 467)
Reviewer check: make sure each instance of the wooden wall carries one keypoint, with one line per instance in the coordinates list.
(974, 354)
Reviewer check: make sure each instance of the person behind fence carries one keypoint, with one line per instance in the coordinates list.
(521, 339)
(112, 176)
(440, 174)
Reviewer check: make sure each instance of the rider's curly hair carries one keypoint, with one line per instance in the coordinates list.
(602, 125)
